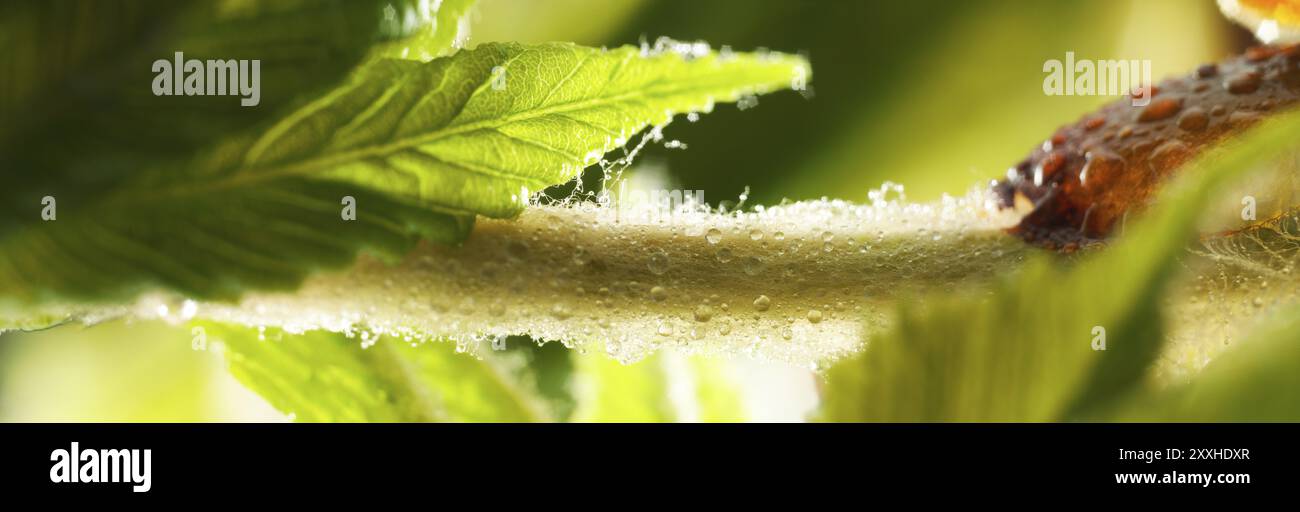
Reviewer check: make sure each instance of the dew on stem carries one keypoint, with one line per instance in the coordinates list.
(627, 282)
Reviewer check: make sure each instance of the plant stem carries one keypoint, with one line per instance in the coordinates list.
(802, 282)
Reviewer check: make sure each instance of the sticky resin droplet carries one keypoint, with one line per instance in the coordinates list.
(755, 234)
(658, 263)
(713, 236)
(754, 266)
(814, 316)
(724, 255)
(762, 303)
(658, 293)
(665, 329)
(786, 333)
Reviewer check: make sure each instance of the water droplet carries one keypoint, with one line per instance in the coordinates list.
(658, 263)
(516, 250)
(703, 313)
(724, 255)
(713, 236)
(580, 257)
(762, 303)
(779, 236)
(658, 293)
(828, 247)
(754, 266)
(786, 333)
(755, 234)
(665, 329)
(827, 236)
(725, 328)
(814, 316)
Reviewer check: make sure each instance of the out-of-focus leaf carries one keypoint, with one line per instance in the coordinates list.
(665, 387)
(717, 395)
(113, 372)
(1026, 351)
(327, 377)
(933, 94)
(76, 77)
(1254, 382)
(548, 367)
(609, 391)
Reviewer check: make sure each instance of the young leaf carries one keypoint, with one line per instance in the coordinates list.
(1030, 352)
(326, 377)
(480, 130)
(420, 147)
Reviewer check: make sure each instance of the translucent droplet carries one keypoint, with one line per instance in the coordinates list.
(713, 236)
(725, 328)
(724, 255)
(762, 303)
(755, 234)
(779, 236)
(580, 257)
(786, 333)
(754, 266)
(827, 236)
(703, 313)
(665, 329)
(658, 263)
(658, 293)
(814, 316)
(828, 247)
(516, 250)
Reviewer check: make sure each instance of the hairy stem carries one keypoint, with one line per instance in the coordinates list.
(802, 282)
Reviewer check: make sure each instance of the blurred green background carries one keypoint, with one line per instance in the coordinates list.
(934, 94)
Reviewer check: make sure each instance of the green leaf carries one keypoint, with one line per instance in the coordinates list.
(327, 377)
(548, 368)
(78, 76)
(610, 391)
(1254, 382)
(421, 147)
(474, 131)
(665, 387)
(1025, 351)
(717, 394)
